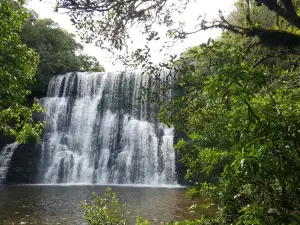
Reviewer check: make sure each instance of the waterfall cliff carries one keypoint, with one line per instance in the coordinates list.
(99, 130)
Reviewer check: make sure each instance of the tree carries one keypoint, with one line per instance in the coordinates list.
(238, 111)
(89, 63)
(110, 20)
(17, 69)
(241, 119)
(58, 50)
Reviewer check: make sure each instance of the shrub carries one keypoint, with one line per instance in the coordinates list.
(108, 210)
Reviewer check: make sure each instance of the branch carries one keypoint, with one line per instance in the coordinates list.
(288, 12)
(248, 17)
(280, 54)
(268, 37)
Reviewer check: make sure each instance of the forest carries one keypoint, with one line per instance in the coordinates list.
(236, 104)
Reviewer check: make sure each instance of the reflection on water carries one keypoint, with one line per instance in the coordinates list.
(34, 204)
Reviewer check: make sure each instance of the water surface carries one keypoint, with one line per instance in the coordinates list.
(42, 204)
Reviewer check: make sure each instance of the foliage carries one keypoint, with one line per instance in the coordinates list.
(17, 69)
(108, 210)
(140, 221)
(238, 109)
(261, 16)
(89, 63)
(107, 22)
(58, 51)
(103, 21)
(241, 116)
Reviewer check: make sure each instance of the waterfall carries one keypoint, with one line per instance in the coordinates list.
(5, 157)
(99, 130)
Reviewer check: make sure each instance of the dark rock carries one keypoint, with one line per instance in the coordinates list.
(24, 165)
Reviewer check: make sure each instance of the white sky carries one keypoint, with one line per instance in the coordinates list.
(45, 9)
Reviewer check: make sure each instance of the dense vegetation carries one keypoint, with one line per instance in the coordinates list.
(241, 118)
(239, 110)
(58, 50)
(17, 70)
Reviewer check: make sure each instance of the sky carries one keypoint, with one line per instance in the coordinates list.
(210, 8)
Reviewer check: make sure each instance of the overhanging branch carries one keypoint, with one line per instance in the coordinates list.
(288, 11)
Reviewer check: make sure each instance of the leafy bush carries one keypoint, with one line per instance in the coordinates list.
(108, 210)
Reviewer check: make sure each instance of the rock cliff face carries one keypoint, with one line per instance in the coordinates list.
(24, 166)
(4, 140)
(99, 131)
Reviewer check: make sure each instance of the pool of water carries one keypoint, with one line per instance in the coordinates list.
(44, 204)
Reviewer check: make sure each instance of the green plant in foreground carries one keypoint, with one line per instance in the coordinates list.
(108, 210)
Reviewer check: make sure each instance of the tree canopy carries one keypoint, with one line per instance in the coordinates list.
(110, 20)
(58, 50)
(17, 70)
(238, 110)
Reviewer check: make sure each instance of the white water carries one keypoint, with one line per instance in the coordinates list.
(5, 157)
(98, 131)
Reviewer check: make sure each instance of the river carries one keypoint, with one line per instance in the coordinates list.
(56, 204)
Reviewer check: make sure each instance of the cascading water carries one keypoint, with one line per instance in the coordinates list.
(5, 157)
(98, 130)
